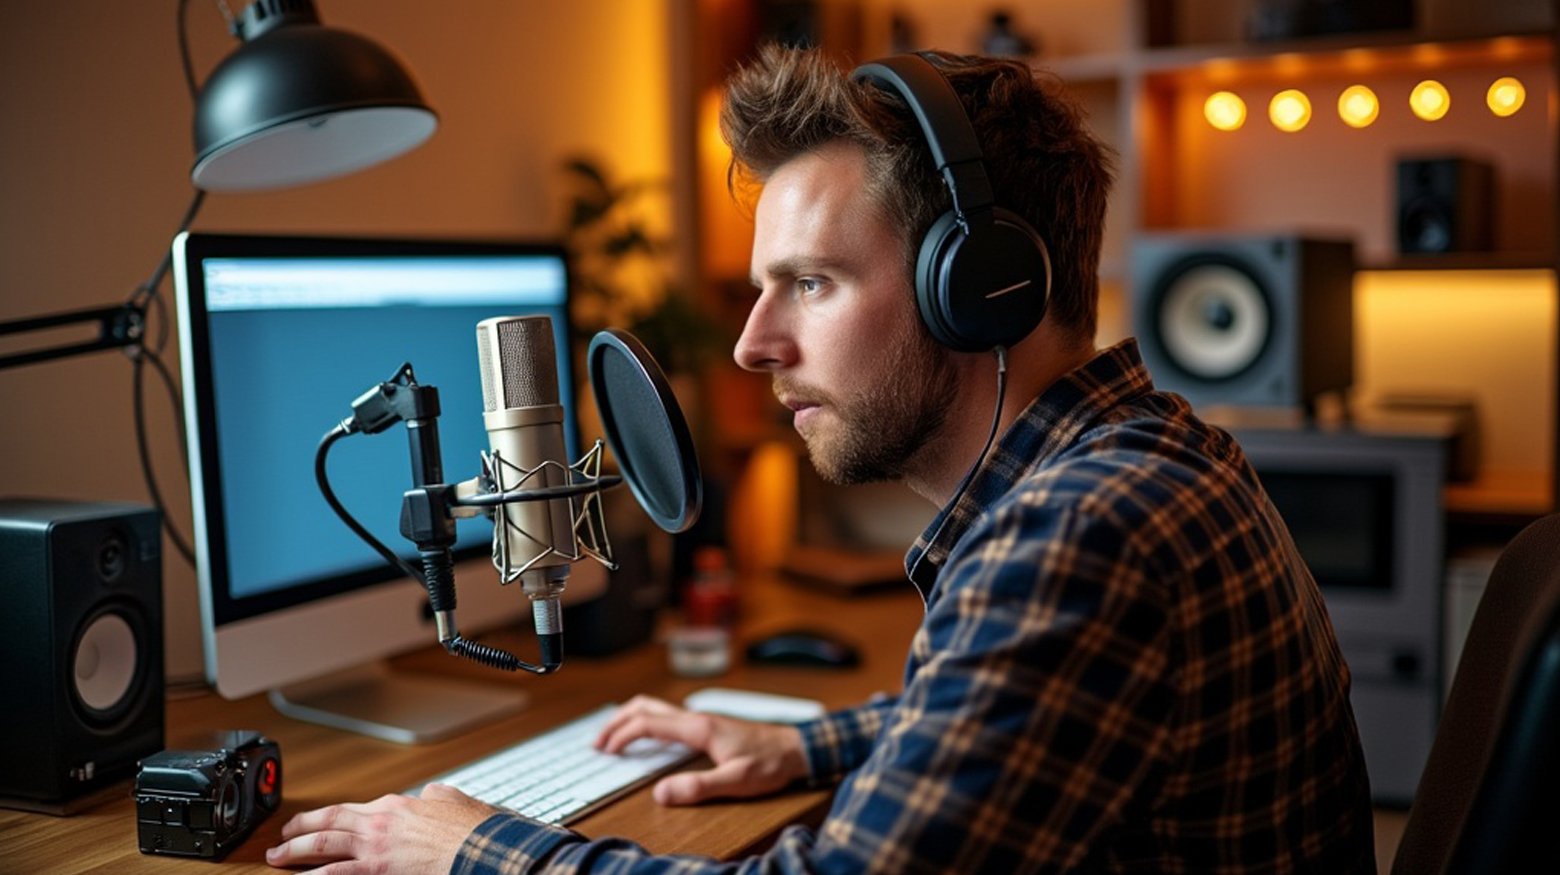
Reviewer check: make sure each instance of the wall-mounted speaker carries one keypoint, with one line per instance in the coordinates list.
(1445, 205)
(82, 640)
(1256, 321)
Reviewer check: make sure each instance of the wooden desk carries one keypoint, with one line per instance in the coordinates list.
(324, 766)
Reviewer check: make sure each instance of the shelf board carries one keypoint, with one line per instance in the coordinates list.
(1501, 494)
(1092, 69)
(1466, 261)
(1355, 54)
(1383, 52)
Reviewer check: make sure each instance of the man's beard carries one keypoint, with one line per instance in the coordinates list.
(879, 429)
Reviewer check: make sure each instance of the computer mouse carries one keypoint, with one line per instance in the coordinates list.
(804, 647)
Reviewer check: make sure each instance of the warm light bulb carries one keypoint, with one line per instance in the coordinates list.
(1506, 96)
(1358, 107)
(1225, 111)
(1429, 100)
(1290, 110)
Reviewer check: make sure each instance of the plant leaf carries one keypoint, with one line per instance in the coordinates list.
(588, 171)
(587, 212)
(632, 238)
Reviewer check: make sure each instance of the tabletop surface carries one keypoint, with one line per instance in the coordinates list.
(324, 766)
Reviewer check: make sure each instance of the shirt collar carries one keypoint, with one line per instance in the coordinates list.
(1050, 424)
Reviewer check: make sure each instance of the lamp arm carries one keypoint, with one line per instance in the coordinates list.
(118, 326)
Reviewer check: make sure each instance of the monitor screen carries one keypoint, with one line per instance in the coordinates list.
(280, 335)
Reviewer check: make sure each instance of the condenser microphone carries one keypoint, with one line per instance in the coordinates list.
(533, 541)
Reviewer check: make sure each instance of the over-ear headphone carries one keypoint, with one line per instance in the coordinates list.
(983, 274)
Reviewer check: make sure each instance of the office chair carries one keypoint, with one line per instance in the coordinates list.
(1489, 798)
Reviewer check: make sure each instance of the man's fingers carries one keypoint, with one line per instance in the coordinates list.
(315, 847)
(725, 780)
(332, 817)
(686, 727)
(632, 708)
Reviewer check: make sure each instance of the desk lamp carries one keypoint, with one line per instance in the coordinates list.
(296, 102)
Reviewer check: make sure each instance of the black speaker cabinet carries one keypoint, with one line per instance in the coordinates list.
(82, 638)
(1445, 205)
(1252, 321)
(1298, 19)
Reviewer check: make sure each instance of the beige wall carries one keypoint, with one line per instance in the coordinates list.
(95, 152)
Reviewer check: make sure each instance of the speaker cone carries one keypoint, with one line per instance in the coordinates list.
(104, 666)
(1213, 319)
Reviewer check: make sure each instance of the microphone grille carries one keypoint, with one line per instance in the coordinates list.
(526, 373)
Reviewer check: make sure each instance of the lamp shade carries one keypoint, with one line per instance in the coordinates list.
(299, 102)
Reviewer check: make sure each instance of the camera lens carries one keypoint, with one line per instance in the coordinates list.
(227, 810)
(111, 559)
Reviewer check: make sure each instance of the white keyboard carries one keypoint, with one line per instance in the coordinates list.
(559, 776)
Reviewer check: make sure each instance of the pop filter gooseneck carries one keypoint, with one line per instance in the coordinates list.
(646, 429)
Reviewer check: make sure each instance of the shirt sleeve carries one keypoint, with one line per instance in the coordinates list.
(1042, 707)
(842, 740)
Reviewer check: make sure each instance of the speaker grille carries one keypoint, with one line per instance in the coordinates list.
(527, 368)
(525, 349)
(485, 366)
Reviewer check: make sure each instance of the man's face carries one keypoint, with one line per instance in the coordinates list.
(835, 322)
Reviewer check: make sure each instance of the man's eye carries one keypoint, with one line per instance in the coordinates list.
(809, 285)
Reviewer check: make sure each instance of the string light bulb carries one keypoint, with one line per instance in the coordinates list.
(1358, 106)
(1290, 110)
(1506, 96)
(1225, 111)
(1430, 100)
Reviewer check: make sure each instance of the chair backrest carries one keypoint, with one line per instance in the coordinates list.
(1488, 798)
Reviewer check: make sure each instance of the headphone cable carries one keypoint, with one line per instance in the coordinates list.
(991, 437)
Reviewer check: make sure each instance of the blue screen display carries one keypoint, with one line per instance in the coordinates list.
(293, 341)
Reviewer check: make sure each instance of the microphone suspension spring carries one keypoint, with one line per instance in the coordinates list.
(491, 657)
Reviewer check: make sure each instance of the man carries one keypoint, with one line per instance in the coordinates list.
(1124, 665)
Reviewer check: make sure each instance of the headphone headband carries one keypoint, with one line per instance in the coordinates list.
(944, 125)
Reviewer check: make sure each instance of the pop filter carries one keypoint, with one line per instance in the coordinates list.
(646, 429)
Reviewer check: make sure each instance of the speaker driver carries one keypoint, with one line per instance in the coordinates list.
(105, 663)
(1424, 228)
(1214, 320)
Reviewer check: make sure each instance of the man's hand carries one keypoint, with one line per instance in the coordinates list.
(751, 759)
(390, 834)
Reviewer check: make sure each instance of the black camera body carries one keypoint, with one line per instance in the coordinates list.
(203, 803)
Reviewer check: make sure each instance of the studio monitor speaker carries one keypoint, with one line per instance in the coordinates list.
(81, 636)
(1254, 321)
(1445, 205)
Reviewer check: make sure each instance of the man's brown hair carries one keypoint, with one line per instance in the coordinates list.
(1044, 163)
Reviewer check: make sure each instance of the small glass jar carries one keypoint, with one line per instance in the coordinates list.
(698, 651)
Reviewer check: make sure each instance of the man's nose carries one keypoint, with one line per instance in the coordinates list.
(766, 343)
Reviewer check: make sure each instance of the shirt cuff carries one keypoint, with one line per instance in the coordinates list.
(507, 844)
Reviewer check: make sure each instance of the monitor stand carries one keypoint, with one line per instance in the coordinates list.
(396, 706)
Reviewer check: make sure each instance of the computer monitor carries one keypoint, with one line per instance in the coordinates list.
(279, 335)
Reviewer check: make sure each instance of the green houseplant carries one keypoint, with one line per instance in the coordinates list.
(622, 277)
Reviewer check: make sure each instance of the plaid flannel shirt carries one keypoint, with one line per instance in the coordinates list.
(1124, 667)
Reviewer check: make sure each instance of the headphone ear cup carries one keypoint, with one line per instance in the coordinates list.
(931, 294)
(986, 288)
